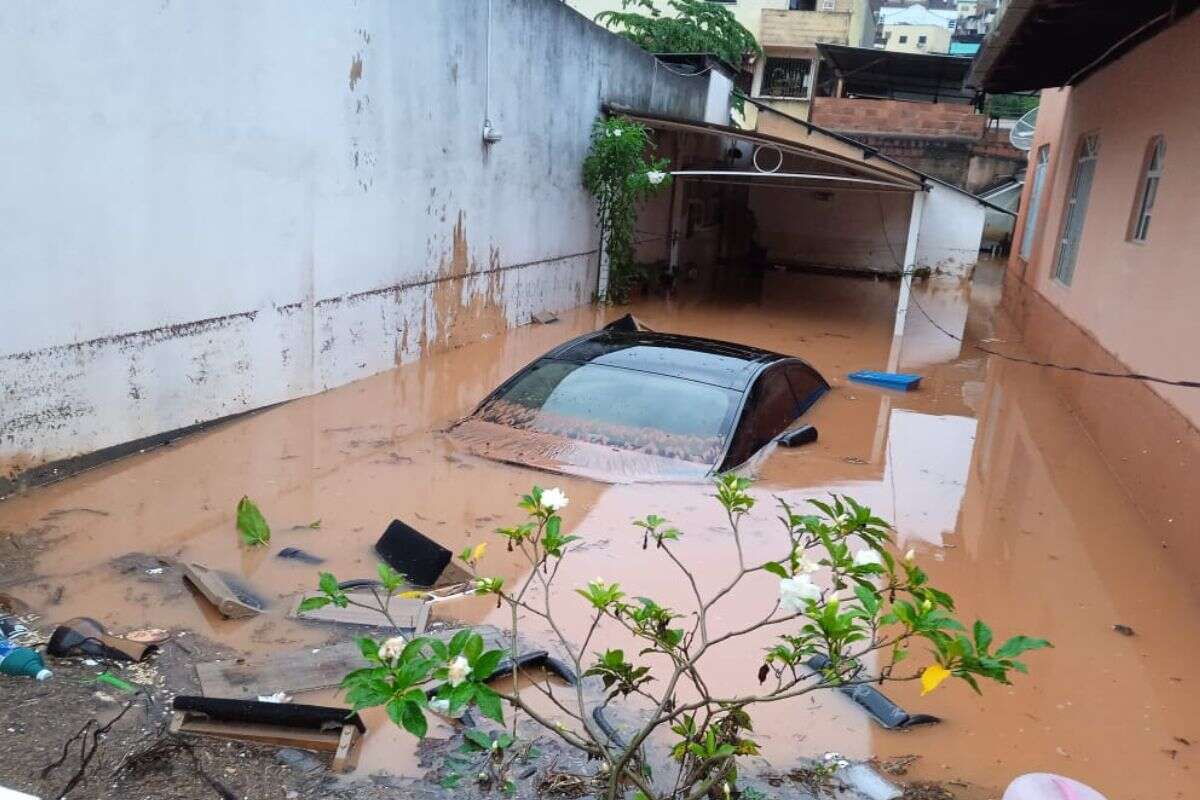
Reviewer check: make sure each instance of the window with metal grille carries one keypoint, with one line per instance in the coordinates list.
(1035, 200)
(787, 77)
(1076, 211)
(1147, 189)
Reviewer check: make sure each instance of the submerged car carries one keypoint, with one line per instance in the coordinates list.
(627, 403)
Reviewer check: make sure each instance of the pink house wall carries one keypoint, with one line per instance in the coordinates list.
(1139, 301)
(1130, 306)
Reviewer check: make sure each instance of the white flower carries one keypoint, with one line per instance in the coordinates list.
(794, 593)
(910, 555)
(615, 132)
(866, 557)
(389, 651)
(806, 565)
(554, 499)
(655, 177)
(459, 669)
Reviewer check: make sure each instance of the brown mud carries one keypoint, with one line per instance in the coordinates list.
(984, 471)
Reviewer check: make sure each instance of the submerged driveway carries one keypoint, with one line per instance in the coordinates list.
(983, 470)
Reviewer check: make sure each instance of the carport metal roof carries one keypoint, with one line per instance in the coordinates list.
(848, 159)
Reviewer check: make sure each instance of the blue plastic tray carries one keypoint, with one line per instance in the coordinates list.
(904, 381)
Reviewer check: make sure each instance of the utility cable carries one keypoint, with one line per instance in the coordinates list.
(1099, 373)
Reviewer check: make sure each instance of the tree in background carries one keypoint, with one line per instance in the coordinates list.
(687, 26)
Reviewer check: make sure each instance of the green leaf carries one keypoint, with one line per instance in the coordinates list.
(478, 738)
(369, 648)
(390, 579)
(458, 642)
(775, 568)
(489, 703)
(473, 647)
(412, 717)
(1020, 644)
(868, 598)
(328, 583)
(486, 664)
(459, 695)
(983, 636)
(312, 604)
(251, 524)
(450, 780)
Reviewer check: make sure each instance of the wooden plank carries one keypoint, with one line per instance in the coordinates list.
(304, 670)
(346, 757)
(408, 614)
(278, 735)
(214, 588)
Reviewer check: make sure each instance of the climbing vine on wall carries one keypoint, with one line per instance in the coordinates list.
(618, 176)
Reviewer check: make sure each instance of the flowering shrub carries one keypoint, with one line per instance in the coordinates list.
(869, 602)
(617, 175)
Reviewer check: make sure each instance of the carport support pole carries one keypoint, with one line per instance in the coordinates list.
(910, 261)
(674, 223)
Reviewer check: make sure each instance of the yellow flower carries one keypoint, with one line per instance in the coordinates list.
(932, 677)
(478, 552)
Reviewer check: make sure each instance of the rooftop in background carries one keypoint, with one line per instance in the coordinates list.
(1038, 44)
(918, 15)
(899, 76)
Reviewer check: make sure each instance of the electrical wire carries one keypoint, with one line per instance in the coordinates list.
(1099, 373)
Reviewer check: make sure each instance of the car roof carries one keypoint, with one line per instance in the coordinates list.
(724, 364)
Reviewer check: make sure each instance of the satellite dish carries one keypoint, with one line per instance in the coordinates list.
(1021, 135)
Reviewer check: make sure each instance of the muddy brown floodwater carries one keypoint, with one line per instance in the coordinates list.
(983, 470)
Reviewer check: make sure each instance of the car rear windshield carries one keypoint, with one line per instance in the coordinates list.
(657, 414)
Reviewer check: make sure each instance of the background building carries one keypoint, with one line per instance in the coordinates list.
(789, 75)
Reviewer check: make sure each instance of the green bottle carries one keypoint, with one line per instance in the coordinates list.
(22, 661)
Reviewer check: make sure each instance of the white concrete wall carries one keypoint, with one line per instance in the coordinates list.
(951, 229)
(208, 206)
(855, 230)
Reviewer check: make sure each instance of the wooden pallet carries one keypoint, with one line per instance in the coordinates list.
(342, 742)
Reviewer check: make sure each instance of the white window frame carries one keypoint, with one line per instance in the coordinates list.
(1152, 172)
(1037, 187)
(1083, 174)
(828, 5)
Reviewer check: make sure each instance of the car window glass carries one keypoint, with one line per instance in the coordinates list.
(769, 409)
(807, 385)
(619, 407)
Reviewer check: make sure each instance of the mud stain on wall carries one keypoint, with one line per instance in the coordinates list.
(356, 69)
(467, 306)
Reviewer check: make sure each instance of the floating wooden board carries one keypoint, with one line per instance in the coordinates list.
(410, 615)
(305, 670)
(214, 588)
(342, 742)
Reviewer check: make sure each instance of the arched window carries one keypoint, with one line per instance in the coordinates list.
(1143, 202)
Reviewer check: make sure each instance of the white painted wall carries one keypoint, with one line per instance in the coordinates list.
(846, 230)
(951, 229)
(208, 206)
